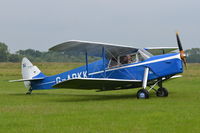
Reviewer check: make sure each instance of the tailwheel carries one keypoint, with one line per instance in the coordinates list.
(162, 92)
(29, 91)
(142, 94)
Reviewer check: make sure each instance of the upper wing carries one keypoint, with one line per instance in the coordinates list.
(98, 83)
(160, 50)
(93, 48)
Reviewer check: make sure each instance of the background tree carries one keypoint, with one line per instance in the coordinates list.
(193, 55)
(3, 52)
(14, 58)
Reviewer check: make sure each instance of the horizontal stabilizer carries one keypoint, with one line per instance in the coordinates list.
(22, 80)
(98, 83)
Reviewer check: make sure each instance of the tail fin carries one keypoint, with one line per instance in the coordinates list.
(29, 73)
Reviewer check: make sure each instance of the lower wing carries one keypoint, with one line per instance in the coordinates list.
(98, 83)
(170, 78)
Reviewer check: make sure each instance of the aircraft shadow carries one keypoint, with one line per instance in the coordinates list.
(81, 97)
(63, 97)
(93, 97)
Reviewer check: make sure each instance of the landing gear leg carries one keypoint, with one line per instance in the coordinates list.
(29, 91)
(161, 92)
(143, 93)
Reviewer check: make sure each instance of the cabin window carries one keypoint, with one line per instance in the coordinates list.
(132, 58)
(113, 62)
(138, 56)
(124, 59)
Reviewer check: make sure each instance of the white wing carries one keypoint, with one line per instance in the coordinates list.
(93, 48)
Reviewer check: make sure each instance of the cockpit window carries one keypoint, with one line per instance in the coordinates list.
(123, 59)
(113, 62)
(133, 58)
(138, 56)
(145, 53)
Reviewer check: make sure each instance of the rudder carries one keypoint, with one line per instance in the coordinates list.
(29, 71)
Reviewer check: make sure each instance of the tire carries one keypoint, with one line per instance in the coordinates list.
(162, 92)
(142, 94)
(28, 93)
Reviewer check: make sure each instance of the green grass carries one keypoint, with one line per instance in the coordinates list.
(78, 111)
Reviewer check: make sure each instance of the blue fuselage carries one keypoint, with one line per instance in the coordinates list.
(159, 66)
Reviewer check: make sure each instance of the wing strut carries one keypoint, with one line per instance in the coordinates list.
(104, 57)
(86, 62)
(145, 78)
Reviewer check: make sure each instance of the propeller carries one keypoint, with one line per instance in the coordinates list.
(182, 53)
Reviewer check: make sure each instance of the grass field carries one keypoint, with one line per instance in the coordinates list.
(78, 111)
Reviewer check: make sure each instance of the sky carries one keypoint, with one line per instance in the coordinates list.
(41, 24)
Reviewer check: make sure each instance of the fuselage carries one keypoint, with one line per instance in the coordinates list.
(159, 66)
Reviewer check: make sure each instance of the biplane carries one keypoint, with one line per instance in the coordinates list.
(119, 67)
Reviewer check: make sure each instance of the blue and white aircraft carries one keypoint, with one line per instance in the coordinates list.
(120, 67)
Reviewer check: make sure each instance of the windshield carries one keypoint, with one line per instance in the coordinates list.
(145, 53)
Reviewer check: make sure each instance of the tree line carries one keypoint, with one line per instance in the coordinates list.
(193, 55)
(38, 56)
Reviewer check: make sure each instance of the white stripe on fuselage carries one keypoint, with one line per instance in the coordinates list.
(50, 82)
(138, 64)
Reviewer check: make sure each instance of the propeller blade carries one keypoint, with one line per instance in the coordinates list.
(182, 53)
(179, 42)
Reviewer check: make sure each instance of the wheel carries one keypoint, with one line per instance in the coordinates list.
(162, 92)
(142, 94)
(28, 93)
